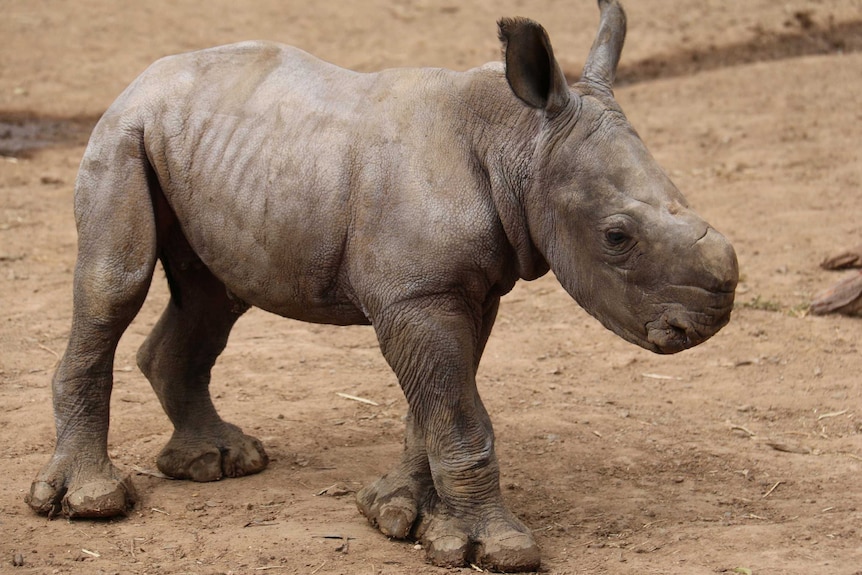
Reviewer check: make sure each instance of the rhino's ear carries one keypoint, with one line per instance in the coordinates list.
(531, 69)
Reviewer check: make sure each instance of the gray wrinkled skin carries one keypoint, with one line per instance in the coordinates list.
(408, 199)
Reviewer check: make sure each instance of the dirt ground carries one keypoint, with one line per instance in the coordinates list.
(743, 455)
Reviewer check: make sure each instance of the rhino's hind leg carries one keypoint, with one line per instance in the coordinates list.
(392, 503)
(116, 258)
(177, 358)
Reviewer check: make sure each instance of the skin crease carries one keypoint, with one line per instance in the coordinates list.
(408, 199)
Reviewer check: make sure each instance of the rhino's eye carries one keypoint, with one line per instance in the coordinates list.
(616, 238)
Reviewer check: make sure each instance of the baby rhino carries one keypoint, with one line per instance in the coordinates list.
(409, 199)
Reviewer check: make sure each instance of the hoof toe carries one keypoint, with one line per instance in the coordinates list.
(99, 499)
(43, 498)
(224, 452)
(515, 552)
(204, 467)
(447, 551)
(389, 504)
(396, 521)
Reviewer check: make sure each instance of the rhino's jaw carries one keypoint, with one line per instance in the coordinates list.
(677, 329)
(681, 322)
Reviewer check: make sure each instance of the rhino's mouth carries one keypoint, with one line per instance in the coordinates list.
(678, 328)
(668, 338)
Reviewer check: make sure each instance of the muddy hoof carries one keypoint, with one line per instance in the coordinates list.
(504, 551)
(43, 498)
(503, 544)
(507, 550)
(390, 504)
(100, 499)
(102, 494)
(228, 452)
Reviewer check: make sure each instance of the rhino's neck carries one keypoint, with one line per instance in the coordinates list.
(504, 142)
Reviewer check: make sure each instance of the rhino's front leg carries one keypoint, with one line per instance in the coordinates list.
(392, 503)
(434, 346)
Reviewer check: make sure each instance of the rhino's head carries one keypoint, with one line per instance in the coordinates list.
(612, 226)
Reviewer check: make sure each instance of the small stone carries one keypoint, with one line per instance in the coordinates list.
(18, 560)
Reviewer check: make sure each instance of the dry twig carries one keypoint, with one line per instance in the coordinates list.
(832, 414)
(660, 376)
(771, 489)
(745, 430)
(786, 448)
(49, 350)
(151, 473)
(356, 398)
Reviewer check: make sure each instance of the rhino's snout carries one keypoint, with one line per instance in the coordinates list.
(705, 297)
(720, 270)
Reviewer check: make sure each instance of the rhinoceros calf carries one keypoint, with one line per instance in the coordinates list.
(411, 200)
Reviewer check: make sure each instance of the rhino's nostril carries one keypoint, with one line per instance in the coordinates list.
(682, 330)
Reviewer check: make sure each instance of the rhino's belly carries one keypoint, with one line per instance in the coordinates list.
(281, 251)
(298, 291)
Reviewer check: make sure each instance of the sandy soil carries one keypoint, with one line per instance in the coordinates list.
(742, 455)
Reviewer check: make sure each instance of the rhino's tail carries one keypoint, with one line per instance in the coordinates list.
(168, 233)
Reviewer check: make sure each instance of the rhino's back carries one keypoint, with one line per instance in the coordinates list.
(277, 164)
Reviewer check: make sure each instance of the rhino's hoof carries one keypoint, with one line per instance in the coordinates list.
(390, 504)
(503, 545)
(508, 551)
(396, 519)
(448, 551)
(209, 457)
(44, 498)
(177, 463)
(100, 499)
(393, 516)
(97, 498)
